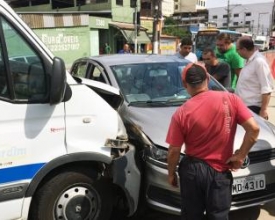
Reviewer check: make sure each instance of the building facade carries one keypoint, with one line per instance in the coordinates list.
(188, 5)
(256, 19)
(94, 23)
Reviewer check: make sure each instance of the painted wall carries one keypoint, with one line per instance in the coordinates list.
(68, 43)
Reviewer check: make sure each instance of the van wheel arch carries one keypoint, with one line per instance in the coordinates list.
(75, 192)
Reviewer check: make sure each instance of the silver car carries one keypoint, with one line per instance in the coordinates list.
(152, 89)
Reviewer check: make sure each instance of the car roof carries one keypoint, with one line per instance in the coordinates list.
(118, 59)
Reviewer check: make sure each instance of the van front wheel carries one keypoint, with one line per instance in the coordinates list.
(72, 195)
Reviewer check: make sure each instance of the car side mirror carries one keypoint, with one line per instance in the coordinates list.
(58, 81)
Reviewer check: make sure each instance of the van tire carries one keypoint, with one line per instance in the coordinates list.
(71, 195)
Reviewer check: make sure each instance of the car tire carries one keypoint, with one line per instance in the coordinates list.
(71, 195)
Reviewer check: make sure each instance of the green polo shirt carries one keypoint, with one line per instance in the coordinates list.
(234, 60)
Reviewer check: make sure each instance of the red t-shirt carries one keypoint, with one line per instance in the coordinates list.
(207, 125)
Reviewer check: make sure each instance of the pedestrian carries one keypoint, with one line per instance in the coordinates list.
(226, 51)
(208, 132)
(107, 48)
(255, 83)
(126, 49)
(218, 69)
(185, 50)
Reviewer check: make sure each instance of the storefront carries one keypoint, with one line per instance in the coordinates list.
(101, 42)
(66, 35)
(125, 33)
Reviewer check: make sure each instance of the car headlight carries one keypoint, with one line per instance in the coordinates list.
(157, 153)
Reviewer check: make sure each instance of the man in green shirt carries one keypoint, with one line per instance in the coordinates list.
(226, 51)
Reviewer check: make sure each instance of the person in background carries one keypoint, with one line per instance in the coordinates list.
(226, 51)
(126, 49)
(185, 50)
(218, 69)
(205, 169)
(255, 82)
(107, 48)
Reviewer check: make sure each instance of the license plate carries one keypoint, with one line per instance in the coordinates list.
(248, 184)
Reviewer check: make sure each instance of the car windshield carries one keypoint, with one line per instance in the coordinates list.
(154, 83)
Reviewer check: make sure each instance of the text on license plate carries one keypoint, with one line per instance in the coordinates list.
(248, 184)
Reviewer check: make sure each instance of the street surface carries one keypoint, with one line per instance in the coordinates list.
(263, 212)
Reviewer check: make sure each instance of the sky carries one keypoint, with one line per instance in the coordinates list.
(223, 3)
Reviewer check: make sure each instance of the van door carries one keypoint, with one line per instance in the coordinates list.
(31, 131)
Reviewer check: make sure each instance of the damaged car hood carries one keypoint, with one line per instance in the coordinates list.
(154, 122)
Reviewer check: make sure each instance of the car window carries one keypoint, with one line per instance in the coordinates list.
(28, 79)
(153, 82)
(4, 92)
(19, 59)
(96, 74)
(32, 59)
(150, 81)
(79, 69)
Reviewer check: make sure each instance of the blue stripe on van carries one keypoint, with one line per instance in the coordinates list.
(19, 173)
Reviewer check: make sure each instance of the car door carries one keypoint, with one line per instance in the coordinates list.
(31, 130)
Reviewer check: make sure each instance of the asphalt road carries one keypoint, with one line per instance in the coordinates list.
(263, 212)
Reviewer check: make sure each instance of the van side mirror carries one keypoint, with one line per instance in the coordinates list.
(58, 81)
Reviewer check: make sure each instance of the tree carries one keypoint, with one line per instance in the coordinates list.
(172, 28)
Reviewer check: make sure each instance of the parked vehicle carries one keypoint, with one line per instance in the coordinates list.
(26, 58)
(64, 150)
(262, 43)
(152, 89)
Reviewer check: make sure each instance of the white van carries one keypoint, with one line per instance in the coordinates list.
(262, 43)
(63, 148)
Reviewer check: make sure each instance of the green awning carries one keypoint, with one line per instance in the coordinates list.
(128, 31)
(142, 38)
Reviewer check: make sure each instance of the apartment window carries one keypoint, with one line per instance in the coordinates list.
(248, 14)
(235, 23)
(247, 22)
(236, 15)
(215, 17)
(224, 24)
(119, 2)
(176, 7)
(224, 16)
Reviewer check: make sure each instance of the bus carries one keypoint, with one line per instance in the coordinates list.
(207, 39)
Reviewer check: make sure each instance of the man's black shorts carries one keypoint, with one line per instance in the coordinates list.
(205, 192)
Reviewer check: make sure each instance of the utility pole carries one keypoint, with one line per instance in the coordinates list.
(156, 25)
(272, 20)
(133, 4)
(136, 30)
(228, 14)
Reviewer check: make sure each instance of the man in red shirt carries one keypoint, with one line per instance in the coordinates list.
(207, 124)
